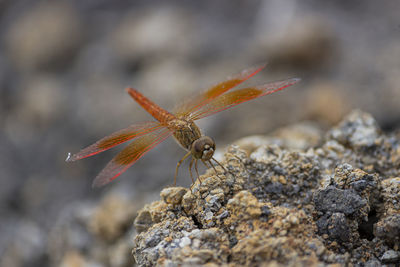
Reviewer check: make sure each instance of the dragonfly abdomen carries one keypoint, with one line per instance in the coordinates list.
(156, 111)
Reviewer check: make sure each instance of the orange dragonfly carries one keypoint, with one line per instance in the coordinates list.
(179, 124)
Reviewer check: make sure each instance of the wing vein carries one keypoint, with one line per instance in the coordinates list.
(129, 155)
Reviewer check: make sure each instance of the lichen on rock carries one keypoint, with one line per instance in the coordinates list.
(284, 204)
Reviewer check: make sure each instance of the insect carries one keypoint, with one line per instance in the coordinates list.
(180, 124)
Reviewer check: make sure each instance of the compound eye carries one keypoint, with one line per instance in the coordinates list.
(199, 146)
(203, 148)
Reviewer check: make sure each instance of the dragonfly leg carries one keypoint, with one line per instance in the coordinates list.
(179, 164)
(197, 170)
(190, 169)
(219, 164)
(212, 165)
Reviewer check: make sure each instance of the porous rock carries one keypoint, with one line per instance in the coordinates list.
(331, 202)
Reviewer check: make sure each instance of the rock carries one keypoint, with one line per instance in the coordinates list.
(117, 254)
(391, 195)
(243, 206)
(153, 33)
(388, 229)
(309, 44)
(391, 256)
(73, 258)
(173, 195)
(26, 246)
(358, 140)
(325, 103)
(112, 217)
(89, 235)
(318, 203)
(282, 175)
(179, 241)
(335, 226)
(336, 200)
(357, 130)
(143, 221)
(298, 136)
(41, 102)
(46, 37)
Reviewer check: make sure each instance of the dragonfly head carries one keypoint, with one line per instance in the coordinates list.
(203, 148)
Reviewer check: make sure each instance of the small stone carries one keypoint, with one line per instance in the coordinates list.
(336, 200)
(358, 129)
(223, 215)
(391, 256)
(185, 241)
(209, 215)
(143, 221)
(293, 219)
(173, 195)
(388, 228)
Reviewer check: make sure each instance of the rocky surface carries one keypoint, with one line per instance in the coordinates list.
(335, 201)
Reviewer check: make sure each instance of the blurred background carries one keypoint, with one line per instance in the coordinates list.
(64, 66)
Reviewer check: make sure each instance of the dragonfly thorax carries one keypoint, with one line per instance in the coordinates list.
(185, 132)
(203, 148)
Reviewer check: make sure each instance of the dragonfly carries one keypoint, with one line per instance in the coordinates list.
(179, 124)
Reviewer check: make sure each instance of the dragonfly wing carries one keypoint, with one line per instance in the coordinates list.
(207, 96)
(116, 138)
(239, 96)
(130, 155)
